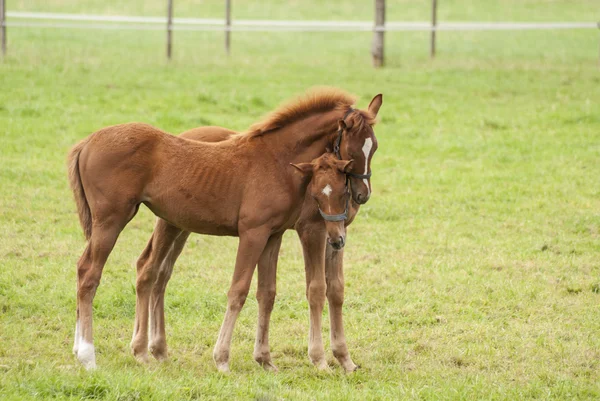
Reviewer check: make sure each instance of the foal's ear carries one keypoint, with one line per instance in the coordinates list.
(375, 104)
(345, 125)
(344, 165)
(305, 168)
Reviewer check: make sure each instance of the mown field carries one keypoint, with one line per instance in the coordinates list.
(472, 273)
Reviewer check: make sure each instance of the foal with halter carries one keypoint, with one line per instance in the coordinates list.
(329, 188)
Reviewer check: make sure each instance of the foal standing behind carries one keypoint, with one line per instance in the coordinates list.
(240, 187)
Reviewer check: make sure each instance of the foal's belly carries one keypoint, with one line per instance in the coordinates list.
(201, 217)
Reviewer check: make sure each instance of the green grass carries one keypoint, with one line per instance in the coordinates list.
(472, 273)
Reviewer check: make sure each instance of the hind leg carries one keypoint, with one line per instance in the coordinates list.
(158, 338)
(265, 294)
(140, 264)
(148, 267)
(89, 271)
(83, 260)
(138, 344)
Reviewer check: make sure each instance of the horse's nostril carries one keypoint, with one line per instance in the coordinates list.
(362, 199)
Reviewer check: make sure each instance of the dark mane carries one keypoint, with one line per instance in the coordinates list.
(314, 101)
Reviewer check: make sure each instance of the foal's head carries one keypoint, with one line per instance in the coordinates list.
(328, 187)
(357, 141)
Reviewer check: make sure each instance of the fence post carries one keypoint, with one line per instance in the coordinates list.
(227, 25)
(377, 49)
(433, 27)
(169, 27)
(3, 25)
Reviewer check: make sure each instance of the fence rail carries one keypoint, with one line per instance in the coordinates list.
(215, 24)
(115, 22)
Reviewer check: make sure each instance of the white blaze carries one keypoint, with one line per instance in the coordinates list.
(327, 190)
(367, 151)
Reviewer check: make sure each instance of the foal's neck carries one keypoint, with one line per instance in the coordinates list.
(308, 138)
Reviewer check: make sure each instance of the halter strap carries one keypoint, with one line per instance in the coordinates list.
(336, 149)
(338, 141)
(360, 176)
(336, 217)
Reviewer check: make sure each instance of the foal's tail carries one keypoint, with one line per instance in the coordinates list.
(83, 208)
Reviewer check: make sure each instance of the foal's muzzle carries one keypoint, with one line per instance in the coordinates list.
(337, 244)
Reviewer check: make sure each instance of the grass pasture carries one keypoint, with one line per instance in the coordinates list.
(472, 273)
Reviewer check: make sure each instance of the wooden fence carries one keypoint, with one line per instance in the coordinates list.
(227, 25)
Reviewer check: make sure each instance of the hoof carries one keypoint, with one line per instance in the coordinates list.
(221, 359)
(348, 365)
(264, 360)
(223, 367)
(142, 357)
(159, 353)
(140, 354)
(87, 355)
(345, 361)
(269, 366)
(322, 366)
(351, 369)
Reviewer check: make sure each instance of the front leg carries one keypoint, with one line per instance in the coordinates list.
(265, 294)
(334, 270)
(252, 243)
(313, 247)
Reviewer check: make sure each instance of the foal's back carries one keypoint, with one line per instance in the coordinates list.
(199, 187)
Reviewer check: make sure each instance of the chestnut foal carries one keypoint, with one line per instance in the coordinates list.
(240, 187)
(310, 228)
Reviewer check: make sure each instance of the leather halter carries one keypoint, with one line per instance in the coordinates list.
(338, 142)
(337, 217)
